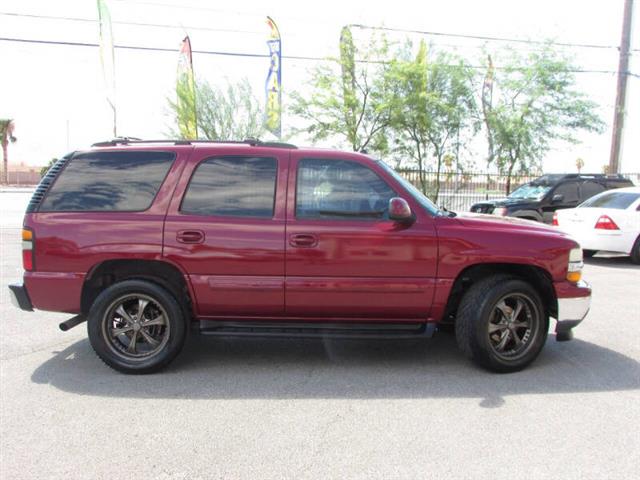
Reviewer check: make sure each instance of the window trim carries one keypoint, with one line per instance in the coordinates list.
(213, 157)
(90, 152)
(337, 218)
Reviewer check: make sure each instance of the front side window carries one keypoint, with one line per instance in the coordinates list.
(232, 186)
(108, 181)
(569, 192)
(340, 189)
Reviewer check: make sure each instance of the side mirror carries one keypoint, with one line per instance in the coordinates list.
(400, 211)
(557, 198)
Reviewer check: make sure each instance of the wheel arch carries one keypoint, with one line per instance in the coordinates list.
(162, 273)
(538, 277)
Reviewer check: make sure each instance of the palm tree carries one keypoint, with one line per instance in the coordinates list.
(6, 134)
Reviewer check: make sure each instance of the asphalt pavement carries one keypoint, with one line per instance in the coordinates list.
(258, 409)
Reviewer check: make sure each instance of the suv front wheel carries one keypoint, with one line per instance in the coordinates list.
(136, 326)
(501, 324)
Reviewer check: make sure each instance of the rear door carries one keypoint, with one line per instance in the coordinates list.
(345, 259)
(570, 199)
(225, 228)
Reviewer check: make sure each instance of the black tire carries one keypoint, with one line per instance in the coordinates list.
(589, 253)
(136, 345)
(635, 252)
(477, 316)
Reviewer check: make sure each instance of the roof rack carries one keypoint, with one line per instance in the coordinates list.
(254, 142)
(594, 175)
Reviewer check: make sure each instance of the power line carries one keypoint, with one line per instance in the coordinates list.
(253, 32)
(156, 49)
(251, 55)
(484, 37)
(137, 24)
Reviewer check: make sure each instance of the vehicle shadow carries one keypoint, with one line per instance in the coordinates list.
(621, 262)
(282, 369)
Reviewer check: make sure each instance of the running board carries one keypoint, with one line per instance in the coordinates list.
(317, 329)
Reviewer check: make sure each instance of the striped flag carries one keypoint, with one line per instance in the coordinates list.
(273, 85)
(186, 93)
(107, 58)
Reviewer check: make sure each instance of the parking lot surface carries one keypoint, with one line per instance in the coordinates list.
(253, 408)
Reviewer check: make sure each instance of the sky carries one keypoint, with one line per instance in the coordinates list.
(56, 93)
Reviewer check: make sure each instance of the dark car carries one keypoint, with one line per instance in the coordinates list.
(538, 200)
(145, 240)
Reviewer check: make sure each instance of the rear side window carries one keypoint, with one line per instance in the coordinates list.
(108, 181)
(232, 186)
(588, 189)
(617, 200)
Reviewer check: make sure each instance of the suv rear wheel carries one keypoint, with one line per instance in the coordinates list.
(136, 326)
(501, 324)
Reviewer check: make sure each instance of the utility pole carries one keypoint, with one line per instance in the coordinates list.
(621, 89)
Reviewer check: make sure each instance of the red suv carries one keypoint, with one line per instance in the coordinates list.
(145, 239)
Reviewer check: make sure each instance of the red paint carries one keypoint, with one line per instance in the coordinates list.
(606, 223)
(285, 268)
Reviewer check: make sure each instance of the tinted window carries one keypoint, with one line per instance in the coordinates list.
(589, 189)
(618, 200)
(569, 191)
(232, 186)
(340, 189)
(109, 181)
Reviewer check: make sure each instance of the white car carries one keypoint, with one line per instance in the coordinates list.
(609, 221)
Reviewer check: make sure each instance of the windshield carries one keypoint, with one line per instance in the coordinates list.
(413, 191)
(530, 191)
(617, 200)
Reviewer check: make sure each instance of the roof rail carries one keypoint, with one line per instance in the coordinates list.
(254, 142)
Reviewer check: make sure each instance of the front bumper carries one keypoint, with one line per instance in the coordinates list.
(19, 297)
(572, 310)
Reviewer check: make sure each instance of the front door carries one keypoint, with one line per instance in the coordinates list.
(227, 232)
(344, 258)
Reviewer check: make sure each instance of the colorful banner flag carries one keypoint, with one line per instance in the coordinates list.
(107, 58)
(273, 85)
(186, 93)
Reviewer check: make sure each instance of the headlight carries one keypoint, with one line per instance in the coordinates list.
(574, 269)
(500, 211)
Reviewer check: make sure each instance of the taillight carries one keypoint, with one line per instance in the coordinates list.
(27, 249)
(554, 222)
(605, 223)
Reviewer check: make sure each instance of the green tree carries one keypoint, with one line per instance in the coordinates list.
(535, 102)
(229, 113)
(346, 97)
(45, 169)
(431, 101)
(7, 127)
